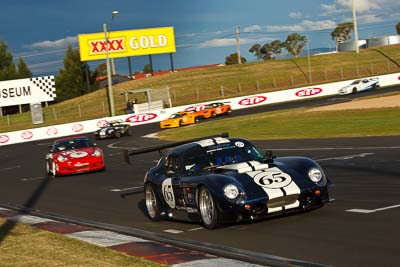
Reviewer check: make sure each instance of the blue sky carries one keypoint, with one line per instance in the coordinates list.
(40, 30)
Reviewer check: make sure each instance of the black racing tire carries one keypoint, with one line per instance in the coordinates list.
(213, 115)
(152, 203)
(229, 111)
(117, 134)
(48, 170)
(207, 208)
(197, 120)
(354, 91)
(53, 170)
(180, 123)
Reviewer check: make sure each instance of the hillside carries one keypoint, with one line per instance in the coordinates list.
(205, 84)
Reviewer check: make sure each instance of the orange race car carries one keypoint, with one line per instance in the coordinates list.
(179, 119)
(213, 109)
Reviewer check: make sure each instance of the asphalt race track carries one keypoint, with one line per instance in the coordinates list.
(361, 228)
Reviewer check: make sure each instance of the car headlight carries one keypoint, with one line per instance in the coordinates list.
(61, 158)
(315, 175)
(96, 153)
(231, 191)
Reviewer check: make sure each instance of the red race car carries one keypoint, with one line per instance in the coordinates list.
(74, 155)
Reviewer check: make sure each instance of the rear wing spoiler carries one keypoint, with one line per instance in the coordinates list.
(149, 149)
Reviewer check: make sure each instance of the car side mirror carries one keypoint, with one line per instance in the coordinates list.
(269, 157)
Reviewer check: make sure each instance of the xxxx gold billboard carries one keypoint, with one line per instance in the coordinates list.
(127, 43)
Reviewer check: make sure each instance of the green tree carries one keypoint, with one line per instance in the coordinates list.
(342, 32)
(398, 28)
(7, 66)
(266, 51)
(101, 70)
(270, 50)
(295, 43)
(23, 70)
(233, 59)
(256, 49)
(70, 82)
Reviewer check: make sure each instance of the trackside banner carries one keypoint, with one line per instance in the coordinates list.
(127, 43)
(154, 116)
(26, 91)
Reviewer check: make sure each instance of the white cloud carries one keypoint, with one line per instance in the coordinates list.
(368, 18)
(218, 42)
(252, 28)
(295, 15)
(60, 43)
(228, 42)
(305, 25)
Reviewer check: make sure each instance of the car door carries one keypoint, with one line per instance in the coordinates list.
(170, 187)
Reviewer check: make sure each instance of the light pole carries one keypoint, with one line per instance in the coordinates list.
(355, 25)
(109, 78)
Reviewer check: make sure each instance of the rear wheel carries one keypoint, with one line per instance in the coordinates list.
(208, 210)
(117, 134)
(152, 203)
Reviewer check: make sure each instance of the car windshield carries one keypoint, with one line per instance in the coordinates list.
(72, 144)
(236, 153)
(175, 115)
(356, 82)
(220, 155)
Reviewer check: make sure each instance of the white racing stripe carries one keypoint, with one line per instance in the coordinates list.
(213, 141)
(273, 181)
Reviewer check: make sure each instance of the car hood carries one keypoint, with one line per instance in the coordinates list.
(77, 153)
(260, 179)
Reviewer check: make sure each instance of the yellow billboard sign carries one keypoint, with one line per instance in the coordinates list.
(127, 43)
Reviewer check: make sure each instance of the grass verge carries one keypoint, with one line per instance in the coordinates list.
(297, 124)
(29, 246)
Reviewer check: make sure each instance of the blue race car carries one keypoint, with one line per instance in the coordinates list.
(217, 179)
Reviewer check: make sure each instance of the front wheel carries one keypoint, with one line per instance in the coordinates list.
(354, 91)
(152, 204)
(117, 134)
(48, 169)
(208, 210)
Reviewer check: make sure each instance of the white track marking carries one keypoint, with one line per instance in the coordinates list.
(196, 229)
(375, 210)
(152, 135)
(31, 179)
(29, 219)
(173, 231)
(10, 168)
(216, 262)
(104, 238)
(125, 189)
(114, 145)
(362, 155)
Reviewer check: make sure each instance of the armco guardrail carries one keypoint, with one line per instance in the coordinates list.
(88, 126)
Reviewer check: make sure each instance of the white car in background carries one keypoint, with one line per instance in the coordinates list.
(360, 85)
